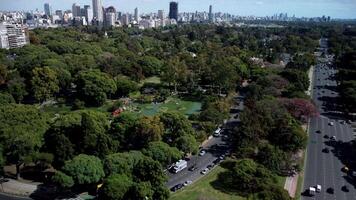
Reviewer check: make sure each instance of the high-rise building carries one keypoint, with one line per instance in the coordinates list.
(161, 17)
(110, 16)
(88, 14)
(47, 9)
(136, 15)
(98, 11)
(160, 14)
(210, 13)
(13, 36)
(125, 19)
(59, 13)
(76, 10)
(173, 10)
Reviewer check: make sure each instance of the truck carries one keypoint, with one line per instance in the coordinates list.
(311, 191)
(179, 166)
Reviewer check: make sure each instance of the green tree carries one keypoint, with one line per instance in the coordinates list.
(273, 192)
(44, 83)
(6, 98)
(125, 86)
(121, 163)
(94, 87)
(2, 161)
(116, 187)
(187, 144)
(150, 65)
(175, 125)
(84, 169)
(271, 157)
(162, 153)
(148, 129)
(21, 132)
(62, 180)
(3, 74)
(17, 88)
(140, 191)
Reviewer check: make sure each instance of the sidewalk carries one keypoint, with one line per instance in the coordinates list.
(15, 187)
(291, 185)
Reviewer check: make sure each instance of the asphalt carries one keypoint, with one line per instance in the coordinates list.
(215, 147)
(325, 168)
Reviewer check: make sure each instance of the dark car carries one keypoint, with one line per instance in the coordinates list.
(210, 166)
(330, 190)
(217, 161)
(192, 168)
(326, 150)
(326, 136)
(177, 187)
(318, 131)
(345, 188)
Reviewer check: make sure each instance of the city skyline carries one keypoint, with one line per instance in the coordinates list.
(334, 8)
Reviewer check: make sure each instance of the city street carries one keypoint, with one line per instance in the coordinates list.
(215, 147)
(326, 157)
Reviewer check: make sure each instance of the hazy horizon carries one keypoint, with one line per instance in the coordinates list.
(301, 8)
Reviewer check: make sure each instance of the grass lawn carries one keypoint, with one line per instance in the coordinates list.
(153, 79)
(203, 190)
(281, 180)
(172, 104)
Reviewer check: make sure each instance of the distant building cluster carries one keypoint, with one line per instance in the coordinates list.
(14, 24)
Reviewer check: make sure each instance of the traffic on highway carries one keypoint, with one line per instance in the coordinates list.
(329, 162)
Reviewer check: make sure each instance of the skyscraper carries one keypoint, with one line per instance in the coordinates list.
(110, 16)
(47, 9)
(173, 10)
(98, 11)
(136, 15)
(161, 17)
(76, 10)
(88, 14)
(161, 14)
(211, 13)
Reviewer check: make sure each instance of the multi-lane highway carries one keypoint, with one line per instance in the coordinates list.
(327, 157)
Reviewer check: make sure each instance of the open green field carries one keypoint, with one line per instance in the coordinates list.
(171, 104)
(203, 189)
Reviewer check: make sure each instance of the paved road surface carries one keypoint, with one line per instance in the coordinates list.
(215, 148)
(325, 168)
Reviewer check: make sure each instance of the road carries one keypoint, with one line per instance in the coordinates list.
(214, 148)
(9, 197)
(324, 168)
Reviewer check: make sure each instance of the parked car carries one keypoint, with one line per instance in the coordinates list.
(326, 136)
(345, 188)
(188, 182)
(204, 171)
(202, 153)
(192, 168)
(331, 123)
(217, 161)
(330, 190)
(326, 150)
(177, 187)
(210, 166)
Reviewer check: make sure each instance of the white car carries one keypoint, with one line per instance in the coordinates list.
(188, 182)
(333, 138)
(202, 153)
(318, 188)
(204, 171)
(331, 123)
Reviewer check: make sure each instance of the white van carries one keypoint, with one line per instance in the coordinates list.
(217, 132)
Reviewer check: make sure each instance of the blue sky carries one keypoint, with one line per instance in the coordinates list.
(307, 8)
